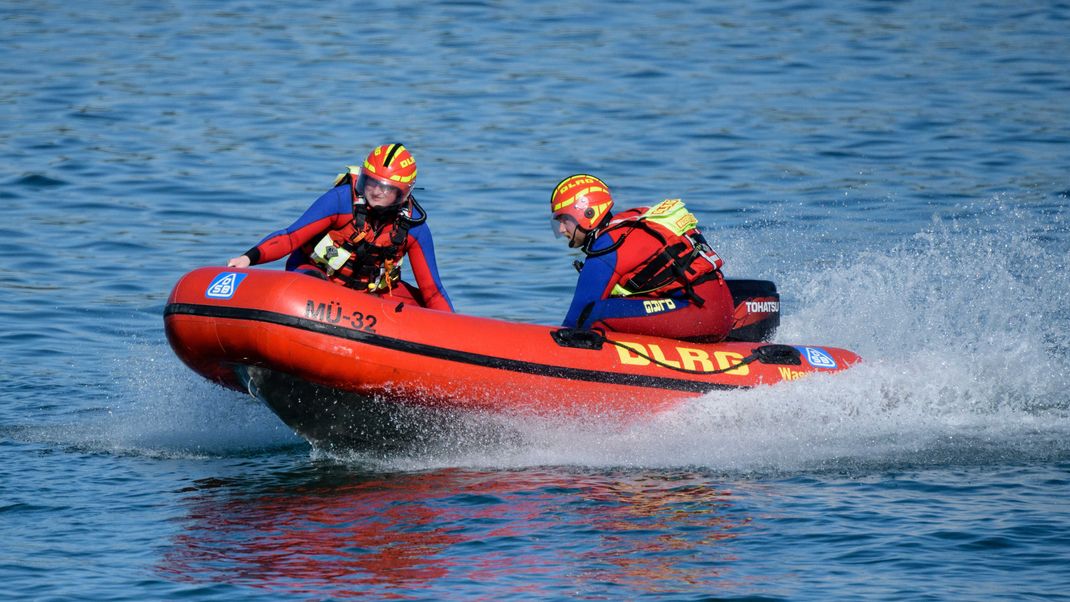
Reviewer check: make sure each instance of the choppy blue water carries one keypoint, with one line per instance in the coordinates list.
(899, 168)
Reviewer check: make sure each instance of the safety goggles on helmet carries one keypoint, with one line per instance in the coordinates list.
(557, 220)
(566, 226)
(364, 183)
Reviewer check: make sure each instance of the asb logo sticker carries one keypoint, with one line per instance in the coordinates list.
(818, 358)
(224, 285)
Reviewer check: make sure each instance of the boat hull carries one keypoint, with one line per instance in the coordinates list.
(341, 366)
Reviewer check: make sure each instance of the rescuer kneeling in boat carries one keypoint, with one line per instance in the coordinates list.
(648, 270)
(358, 233)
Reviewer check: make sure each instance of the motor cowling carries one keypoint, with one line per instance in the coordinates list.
(757, 310)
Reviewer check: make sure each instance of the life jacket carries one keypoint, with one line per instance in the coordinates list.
(364, 255)
(684, 259)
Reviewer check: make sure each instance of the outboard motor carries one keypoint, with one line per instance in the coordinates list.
(757, 313)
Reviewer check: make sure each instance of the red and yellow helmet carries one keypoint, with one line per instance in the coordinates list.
(583, 198)
(391, 165)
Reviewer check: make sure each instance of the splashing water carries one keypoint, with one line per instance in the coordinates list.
(165, 410)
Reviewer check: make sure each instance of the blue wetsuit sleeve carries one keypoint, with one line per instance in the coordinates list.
(421, 253)
(594, 280)
(331, 209)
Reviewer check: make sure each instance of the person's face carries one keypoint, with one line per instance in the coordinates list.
(569, 229)
(380, 195)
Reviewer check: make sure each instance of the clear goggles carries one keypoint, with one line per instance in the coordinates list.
(563, 223)
(366, 184)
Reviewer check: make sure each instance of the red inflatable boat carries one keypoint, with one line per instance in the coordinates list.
(344, 368)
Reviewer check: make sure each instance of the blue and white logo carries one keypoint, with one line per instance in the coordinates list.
(818, 358)
(224, 285)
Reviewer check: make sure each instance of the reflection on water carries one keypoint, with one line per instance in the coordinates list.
(347, 535)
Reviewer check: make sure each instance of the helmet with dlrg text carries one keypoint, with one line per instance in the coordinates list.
(582, 199)
(391, 166)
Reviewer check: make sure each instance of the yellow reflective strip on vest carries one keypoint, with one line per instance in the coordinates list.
(620, 291)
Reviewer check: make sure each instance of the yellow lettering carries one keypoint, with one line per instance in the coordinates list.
(665, 206)
(654, 306)
(656, 352)
(726, 359)
(629, 359)
(789, 374)
(569, 184)
(631, 354)
(692, 359)
(686, 222)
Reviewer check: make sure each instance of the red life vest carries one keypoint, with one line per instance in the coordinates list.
(376, 251)
(683, 260)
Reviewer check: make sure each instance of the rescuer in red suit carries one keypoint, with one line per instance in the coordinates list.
(359, 232)
(648, 270)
